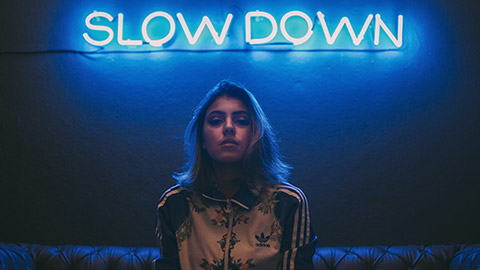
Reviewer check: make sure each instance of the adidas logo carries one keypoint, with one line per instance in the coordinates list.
(262, 240)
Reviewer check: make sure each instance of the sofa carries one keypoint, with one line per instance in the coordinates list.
(412, 257)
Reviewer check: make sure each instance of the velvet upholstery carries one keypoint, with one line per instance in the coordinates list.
(412, 257)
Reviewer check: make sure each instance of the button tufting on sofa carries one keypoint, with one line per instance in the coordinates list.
(413, 257)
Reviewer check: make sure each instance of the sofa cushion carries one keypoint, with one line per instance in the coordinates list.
(14, 257)
(413, 257)
(468, 258)
(385, 257)
(91, 257)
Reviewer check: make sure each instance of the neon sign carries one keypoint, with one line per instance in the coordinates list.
(97, 22)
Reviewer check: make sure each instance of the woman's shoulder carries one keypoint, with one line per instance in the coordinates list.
(289, 192)
(174, 195)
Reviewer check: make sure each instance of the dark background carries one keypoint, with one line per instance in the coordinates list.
(385, 144)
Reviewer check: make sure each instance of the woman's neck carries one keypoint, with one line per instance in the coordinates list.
(228, 178)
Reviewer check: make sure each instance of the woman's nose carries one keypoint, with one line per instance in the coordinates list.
(229, 131)
(229, 128)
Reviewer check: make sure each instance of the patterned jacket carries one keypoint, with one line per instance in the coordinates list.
(266, 228)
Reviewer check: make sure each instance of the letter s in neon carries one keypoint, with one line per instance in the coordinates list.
(98, 28)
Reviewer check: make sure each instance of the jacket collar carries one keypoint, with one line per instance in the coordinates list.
(245, 197)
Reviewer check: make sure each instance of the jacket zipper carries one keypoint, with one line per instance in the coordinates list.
(229, 234)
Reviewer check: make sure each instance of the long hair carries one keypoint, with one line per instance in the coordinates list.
(262, 160)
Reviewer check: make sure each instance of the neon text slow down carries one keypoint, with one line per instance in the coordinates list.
(219, 38)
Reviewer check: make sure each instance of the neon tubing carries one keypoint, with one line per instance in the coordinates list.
(158, 42)
(98, 28)
(205, 22)
(248, 27)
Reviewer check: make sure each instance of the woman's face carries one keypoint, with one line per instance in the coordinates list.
(227, 130)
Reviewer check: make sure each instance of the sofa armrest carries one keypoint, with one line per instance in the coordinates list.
(14, 257)
(468, 258)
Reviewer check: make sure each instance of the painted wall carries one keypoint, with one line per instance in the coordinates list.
(384, 141)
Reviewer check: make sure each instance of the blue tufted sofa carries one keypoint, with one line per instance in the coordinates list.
(42, 257)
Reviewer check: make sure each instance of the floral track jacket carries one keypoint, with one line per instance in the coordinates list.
(267, 228)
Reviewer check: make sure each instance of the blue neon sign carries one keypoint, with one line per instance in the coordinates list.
(101, 30)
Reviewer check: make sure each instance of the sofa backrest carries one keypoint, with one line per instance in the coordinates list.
(429, 257)
(437, 257)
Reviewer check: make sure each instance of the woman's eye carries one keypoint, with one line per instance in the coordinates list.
(214, 122)
(243, 122)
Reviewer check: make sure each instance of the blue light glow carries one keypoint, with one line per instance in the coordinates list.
(421, 31)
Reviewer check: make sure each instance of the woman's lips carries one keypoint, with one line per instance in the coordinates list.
(229, 142)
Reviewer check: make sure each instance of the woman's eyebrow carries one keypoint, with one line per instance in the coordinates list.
(223, 113)
(216, 112)
(240, 112)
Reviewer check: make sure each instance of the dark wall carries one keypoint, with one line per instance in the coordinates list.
(385, 143)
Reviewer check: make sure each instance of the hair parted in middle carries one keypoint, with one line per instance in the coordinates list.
(262, 160)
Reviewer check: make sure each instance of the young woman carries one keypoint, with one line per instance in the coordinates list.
(232, 207)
